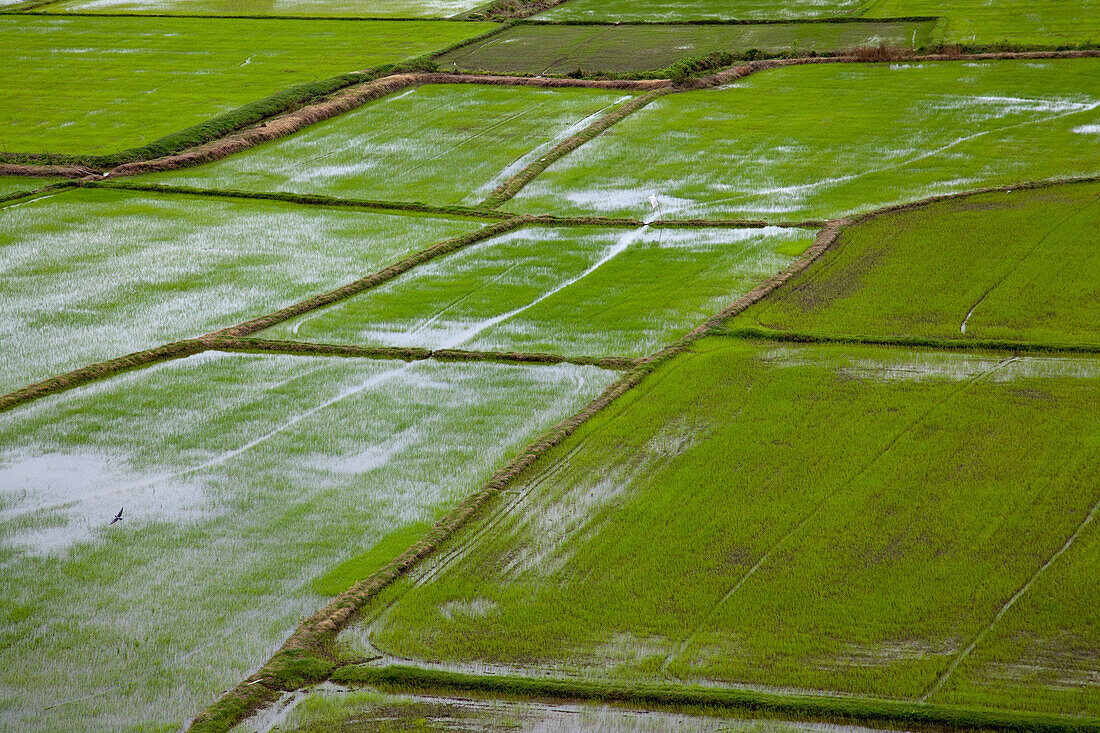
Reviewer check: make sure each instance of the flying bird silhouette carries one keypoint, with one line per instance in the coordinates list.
(118, 517)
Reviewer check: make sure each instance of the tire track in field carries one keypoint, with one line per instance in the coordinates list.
(484, 284)
(814, 510)
(474, 136)
(1019, 263)
(525, 159)
(939, 683)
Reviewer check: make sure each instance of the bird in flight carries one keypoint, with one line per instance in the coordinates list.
(118, 517)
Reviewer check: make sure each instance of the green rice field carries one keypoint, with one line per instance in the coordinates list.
(118, 83)
(827, 140)
(587, 400)
(81, 287)
(1020, 266)
(244, 479)
(1049, 23)
(575, 291)
(439, 144)
(562, 49)
(310, 8)
(796, 565)
(671, 10)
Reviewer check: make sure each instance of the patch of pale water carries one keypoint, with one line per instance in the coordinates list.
(1092, 129)
(996, 107)
(617, 199)
(929, 365)
(71, 496)
(1063, 674)
(886, 653)
(468, 608)
(372, 457)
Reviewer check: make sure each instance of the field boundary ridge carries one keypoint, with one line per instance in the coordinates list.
(507, 10)
(736, 21)
(757, 333)
(441, 211)
(405, 353)
(513, 185)
(101, 370)
(374, 279)
(829, 708)
(390, 207)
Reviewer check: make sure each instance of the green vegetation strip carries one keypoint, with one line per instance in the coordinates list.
(1015, 347)
(465, 212)
(449, 245)
(832, 709)
(102, 370)
(365, 10)
(415, 354)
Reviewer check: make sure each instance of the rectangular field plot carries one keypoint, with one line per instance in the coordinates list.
(826, 140)
(1020, 266)
(832, 518)
(1047, 23)
(117, 83)
(671, 10)
(91, 274)
(572, 291)
(561, 49)
(317, 8)
(244, 480)
(442, 144)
